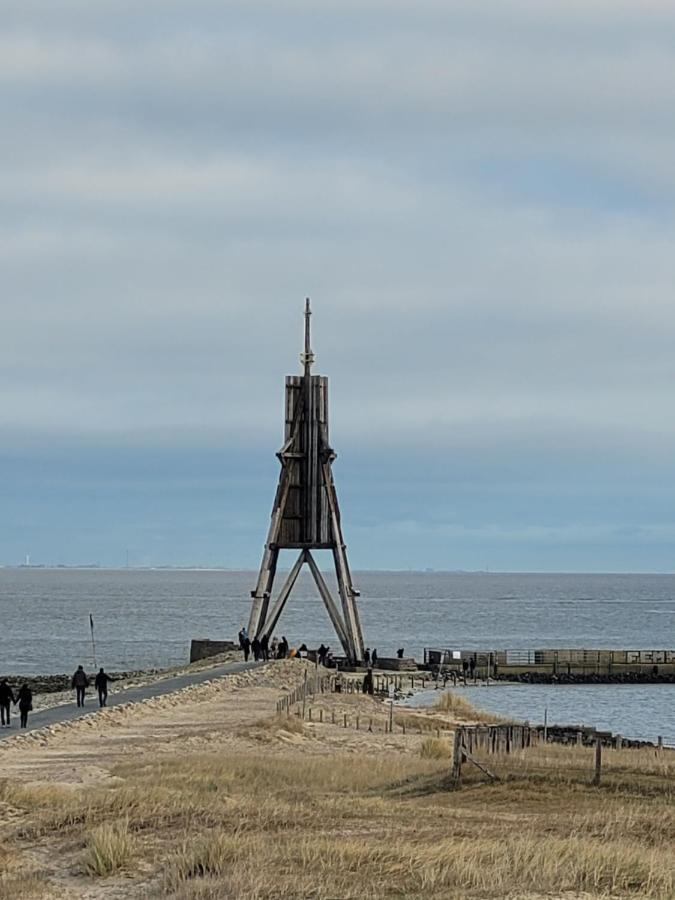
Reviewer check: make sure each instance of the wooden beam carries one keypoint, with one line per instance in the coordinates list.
(278, 607)
(333, 611)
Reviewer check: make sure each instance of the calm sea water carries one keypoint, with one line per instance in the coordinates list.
(632, 710)
(147, 618)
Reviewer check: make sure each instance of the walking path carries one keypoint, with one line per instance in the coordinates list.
(70, 712)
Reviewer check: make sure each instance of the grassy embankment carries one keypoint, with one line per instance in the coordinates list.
(277, 821)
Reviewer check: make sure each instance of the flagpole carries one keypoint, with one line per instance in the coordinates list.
(93, 642)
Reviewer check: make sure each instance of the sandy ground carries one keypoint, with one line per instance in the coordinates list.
(221, 713)
(230, 713)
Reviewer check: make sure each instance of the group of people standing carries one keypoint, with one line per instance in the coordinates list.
(24, 696)
(264, 649)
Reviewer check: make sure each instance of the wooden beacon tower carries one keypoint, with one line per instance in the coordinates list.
(306, 515)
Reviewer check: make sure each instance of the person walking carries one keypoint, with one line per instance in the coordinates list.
(80, 682)
(101, 685)
(366, 657)
(255, 646)
(6, 697)
(373, 658)
(264, 647)
(25, 700)
(246, 648)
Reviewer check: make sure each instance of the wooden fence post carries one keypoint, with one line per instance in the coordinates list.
(304, 696)
(598, 761)
(457, 757)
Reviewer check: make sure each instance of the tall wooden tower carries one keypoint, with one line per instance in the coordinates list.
(306, 515)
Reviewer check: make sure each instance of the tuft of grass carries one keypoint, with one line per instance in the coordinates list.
(109, 848)
(435, 748)
(208, 856)
(460, 708)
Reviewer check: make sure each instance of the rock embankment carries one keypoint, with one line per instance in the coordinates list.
(590, 678)
(51, 684)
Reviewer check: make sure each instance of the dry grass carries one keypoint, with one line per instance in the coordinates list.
(376, 825)
(23, 886)
(462, 710)
(300, 814)
(435, 748)
(109, 848)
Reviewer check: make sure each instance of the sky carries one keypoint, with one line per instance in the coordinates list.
(479, 198)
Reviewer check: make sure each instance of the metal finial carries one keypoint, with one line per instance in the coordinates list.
(307, 357)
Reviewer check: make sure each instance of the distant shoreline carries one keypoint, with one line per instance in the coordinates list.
(94, 567)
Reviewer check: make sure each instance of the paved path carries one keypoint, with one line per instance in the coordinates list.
(69, 712)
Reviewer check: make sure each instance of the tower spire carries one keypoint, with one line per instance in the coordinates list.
(307, 357)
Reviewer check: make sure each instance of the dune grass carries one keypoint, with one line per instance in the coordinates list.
(376, 824)
(109, 848)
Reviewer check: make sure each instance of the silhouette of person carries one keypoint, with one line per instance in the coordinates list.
(101, 684)
(6, 697)
(25, 700)
(80, 683)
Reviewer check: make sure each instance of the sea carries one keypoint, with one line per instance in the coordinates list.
(146, 619)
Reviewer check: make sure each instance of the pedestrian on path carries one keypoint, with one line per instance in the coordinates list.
(101, 685)
(25, 700)
(368, 686)
(246, 647)
(80, 682)
(264, 647)
(373, 658)
(366, 657)
(255, 646)
(6, 697)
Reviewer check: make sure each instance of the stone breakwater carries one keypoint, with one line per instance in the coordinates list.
(52, 684)
(564, 678)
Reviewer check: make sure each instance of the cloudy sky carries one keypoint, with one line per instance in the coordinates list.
(478, 197)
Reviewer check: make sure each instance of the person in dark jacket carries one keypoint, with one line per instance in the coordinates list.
(101, 685)
(255, 646)
(6, 697)
(373, 658)
(283, 648)
(366, 657)
(25, 700)
(399, 652)
(368, 686)
(80, 682)
(265, 647)
(246, 648)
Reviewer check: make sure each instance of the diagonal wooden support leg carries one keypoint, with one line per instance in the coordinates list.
(333, 611)
(345, 587)
(268, 566)
(278, 607)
